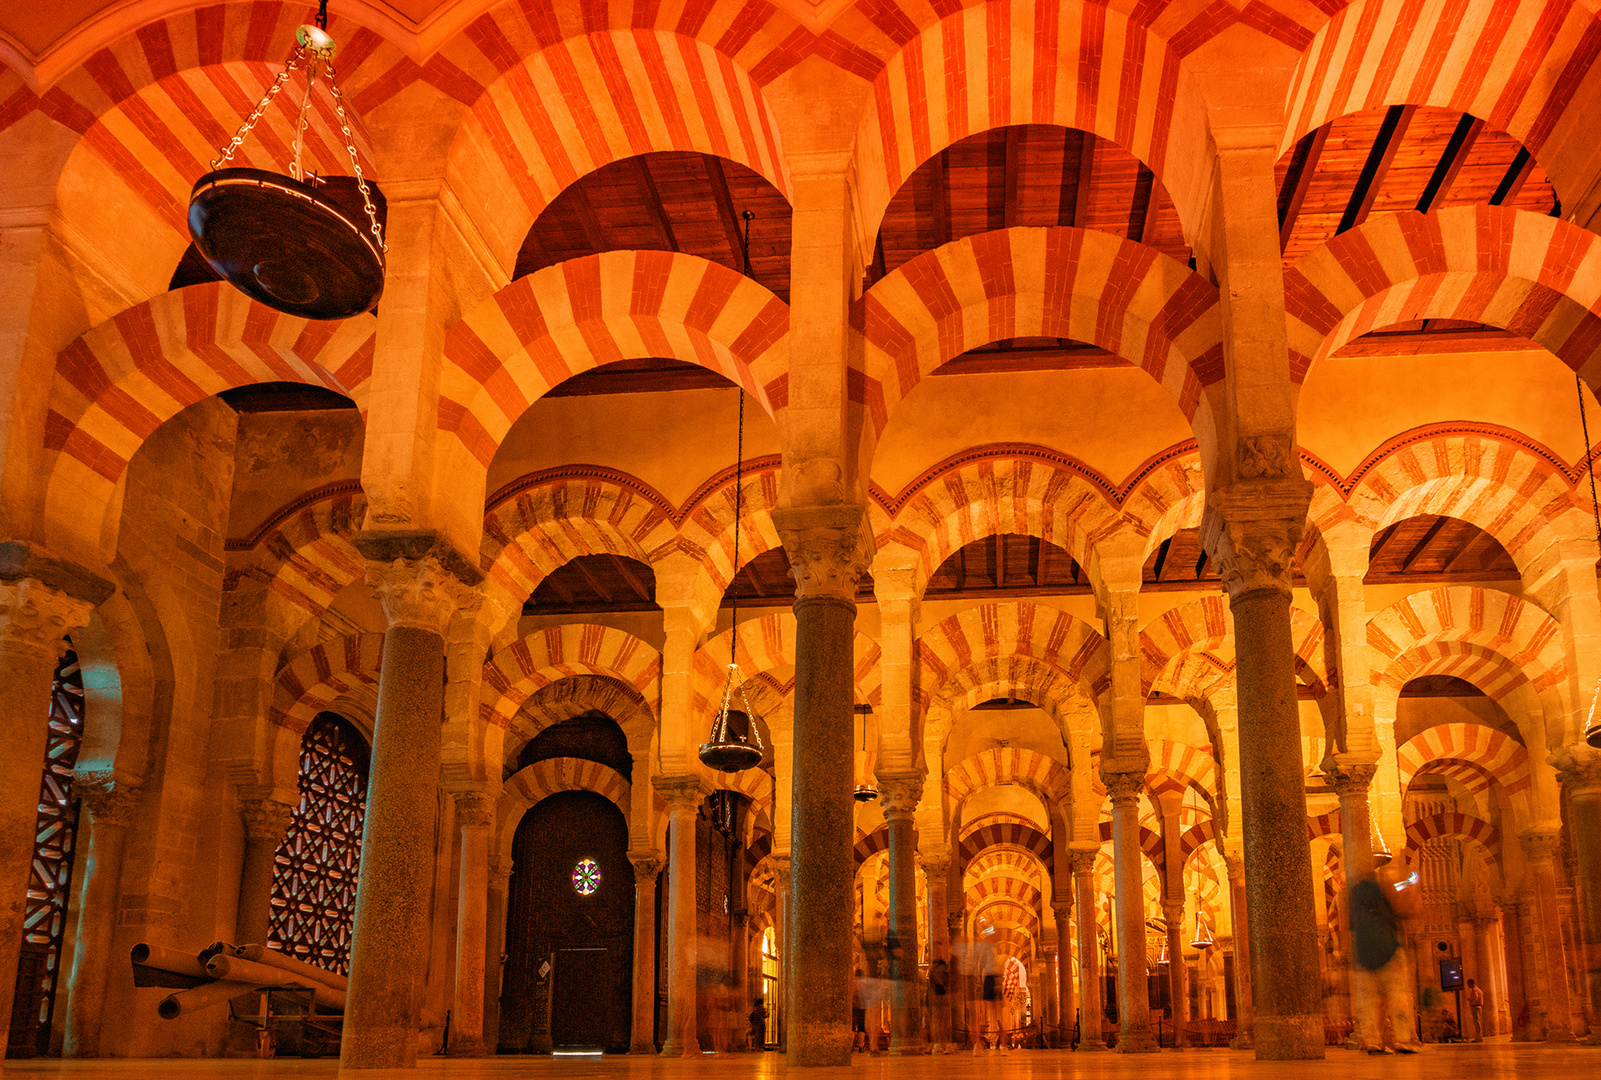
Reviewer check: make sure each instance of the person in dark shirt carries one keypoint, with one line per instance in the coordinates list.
(758, 1025)
(1379, 905)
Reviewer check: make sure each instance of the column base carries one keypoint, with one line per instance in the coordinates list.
(1089, 1046)
(1242, 1041)
(908, 1049)
(467, 1048)
(1560, 1035)
(822, 1050)
(1289, 1038)
(1139, 1041)
(643, 1048)
(381, 1048)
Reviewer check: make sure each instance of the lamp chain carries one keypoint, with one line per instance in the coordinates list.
(1588, 457)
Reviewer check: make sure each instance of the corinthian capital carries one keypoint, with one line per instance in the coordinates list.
(1251, 531)
(1578, 768)
(110, 801)
(1349, 779)
(1123, 786)
(266, 819)
(474, 810)
(34, 615)
(828, 546)
(680, 793)
(419, 593)
(899, 795)
(1082, 862)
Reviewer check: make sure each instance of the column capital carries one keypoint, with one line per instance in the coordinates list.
(500, 870)
(419, 593)
(679, 792)
(1349, 779)
(934, 858)
(37, 616)
(1540, 843)
(474, 809)
(900, 794)
(1123, 787)
(109, 800)
(1082, 861)
(266, 819)
(828, 546)
(1173, 912)
(20, 560)
(1578, 769)
(1253, 527)
(647, 864)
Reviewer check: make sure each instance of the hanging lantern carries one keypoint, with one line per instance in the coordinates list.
(1203, 933)
(302, 244)
(731, 750)
(865, 792)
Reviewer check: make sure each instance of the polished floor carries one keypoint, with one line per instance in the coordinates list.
(1464, 1062)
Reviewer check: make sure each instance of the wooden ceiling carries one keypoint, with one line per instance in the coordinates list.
(1027, 175)
(1406, 157)
(672, 201)
(1426, 548)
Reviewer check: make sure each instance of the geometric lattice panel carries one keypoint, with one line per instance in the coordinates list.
(44, 920)
(314, 879)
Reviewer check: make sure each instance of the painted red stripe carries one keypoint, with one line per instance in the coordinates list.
(956, 75)
(621, 92)
(733, 86)
(1092, 47)
(1128, 91)
(1047, 47)
(663, 89)
(1546, 28)
(998, 61)
(157, 46)
(700, 83)
(1424, 86)
(1567, 85)
(564, 68)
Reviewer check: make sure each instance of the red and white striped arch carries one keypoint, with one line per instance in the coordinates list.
(1480, 757)
(553, 324)
(559, 652)
(1198, 625)
(1058, 641)
(572, 696)
(1127, 298)
(1451, 826)
(1021, 678)
(546, 525)
(529, 785)
(706, 532)
(1175, 766)
(309, 552)
(592, 99)
(312, 681)
(767, 644)
(1524, 272)
(1009, 835)
(1019, 891)
(1045, 776)
(1493, 624)
(120, 381)
(1076, 65)
(1016, 490)
(1515, 63)
(1166, 496)
(1016, 864)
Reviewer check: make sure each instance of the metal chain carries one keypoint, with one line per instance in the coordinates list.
(249, 125)
(296, 169)
(355, 161)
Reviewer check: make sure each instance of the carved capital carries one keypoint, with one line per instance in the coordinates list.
(647, 864)
(899, 795)
(680, 793)
(1082, 862)
(474, 810)
(1578, 769)
(935, 860)
(1540, 844)
(1251, 531)
(266, 819)
(1174, 914)
(1063, 911)
(829, 547)
(1123, 787)
(36, 616)
(1350, 780)
(500, 870)
(419, 593)
(108, 800)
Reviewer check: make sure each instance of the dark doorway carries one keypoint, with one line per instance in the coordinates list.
(569, 929)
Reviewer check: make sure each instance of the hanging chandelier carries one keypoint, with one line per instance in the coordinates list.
(303, 244)
(865, 791)
(1203, 933)
(731, 749)
(1592, 723)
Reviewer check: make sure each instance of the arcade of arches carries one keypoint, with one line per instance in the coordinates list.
(1158, 582)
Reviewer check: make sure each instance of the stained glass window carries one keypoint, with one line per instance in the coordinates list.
(314, 881)
(44, 919)
(586, 877)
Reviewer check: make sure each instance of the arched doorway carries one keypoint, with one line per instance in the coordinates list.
(569, 929)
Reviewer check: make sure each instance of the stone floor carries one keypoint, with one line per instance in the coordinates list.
(1465, 1062)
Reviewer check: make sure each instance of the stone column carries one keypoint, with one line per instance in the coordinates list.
(1351, 782)
(828, 551)
(1089, 953)
(683, 796)
(109, 803)
(388, 941)
(647, 867)
(266, 822)
(1580, 774)
(936, 870)
(1173, 912)
(1133, 999)
(781, 914)
(899, 795)
(1540, 850)
(1067, 1007)
(34, 621)
(1523, 976)
(1490, 980)
(475, 812)
(1244, 1015)
(1252, 532)
(495, 949)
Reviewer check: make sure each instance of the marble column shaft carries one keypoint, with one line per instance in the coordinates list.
(108, 805)
(474, 814)
(828, 549)
(1352, 783)
(1244, 1015)
(1581, 780)
(683, 796)
(1067, 1007)
(936, 869)
(1523, 970)
(647, 868)
(495, 947)
(1540, 850)
(1133, 999)
(1089, 953)
(266, 822)
(899, 795)
(1253, 537)
(34, 621)
(389, 937)
(1174, 914)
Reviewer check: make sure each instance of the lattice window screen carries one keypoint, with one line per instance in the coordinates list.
(44, 919)
(314, 882)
